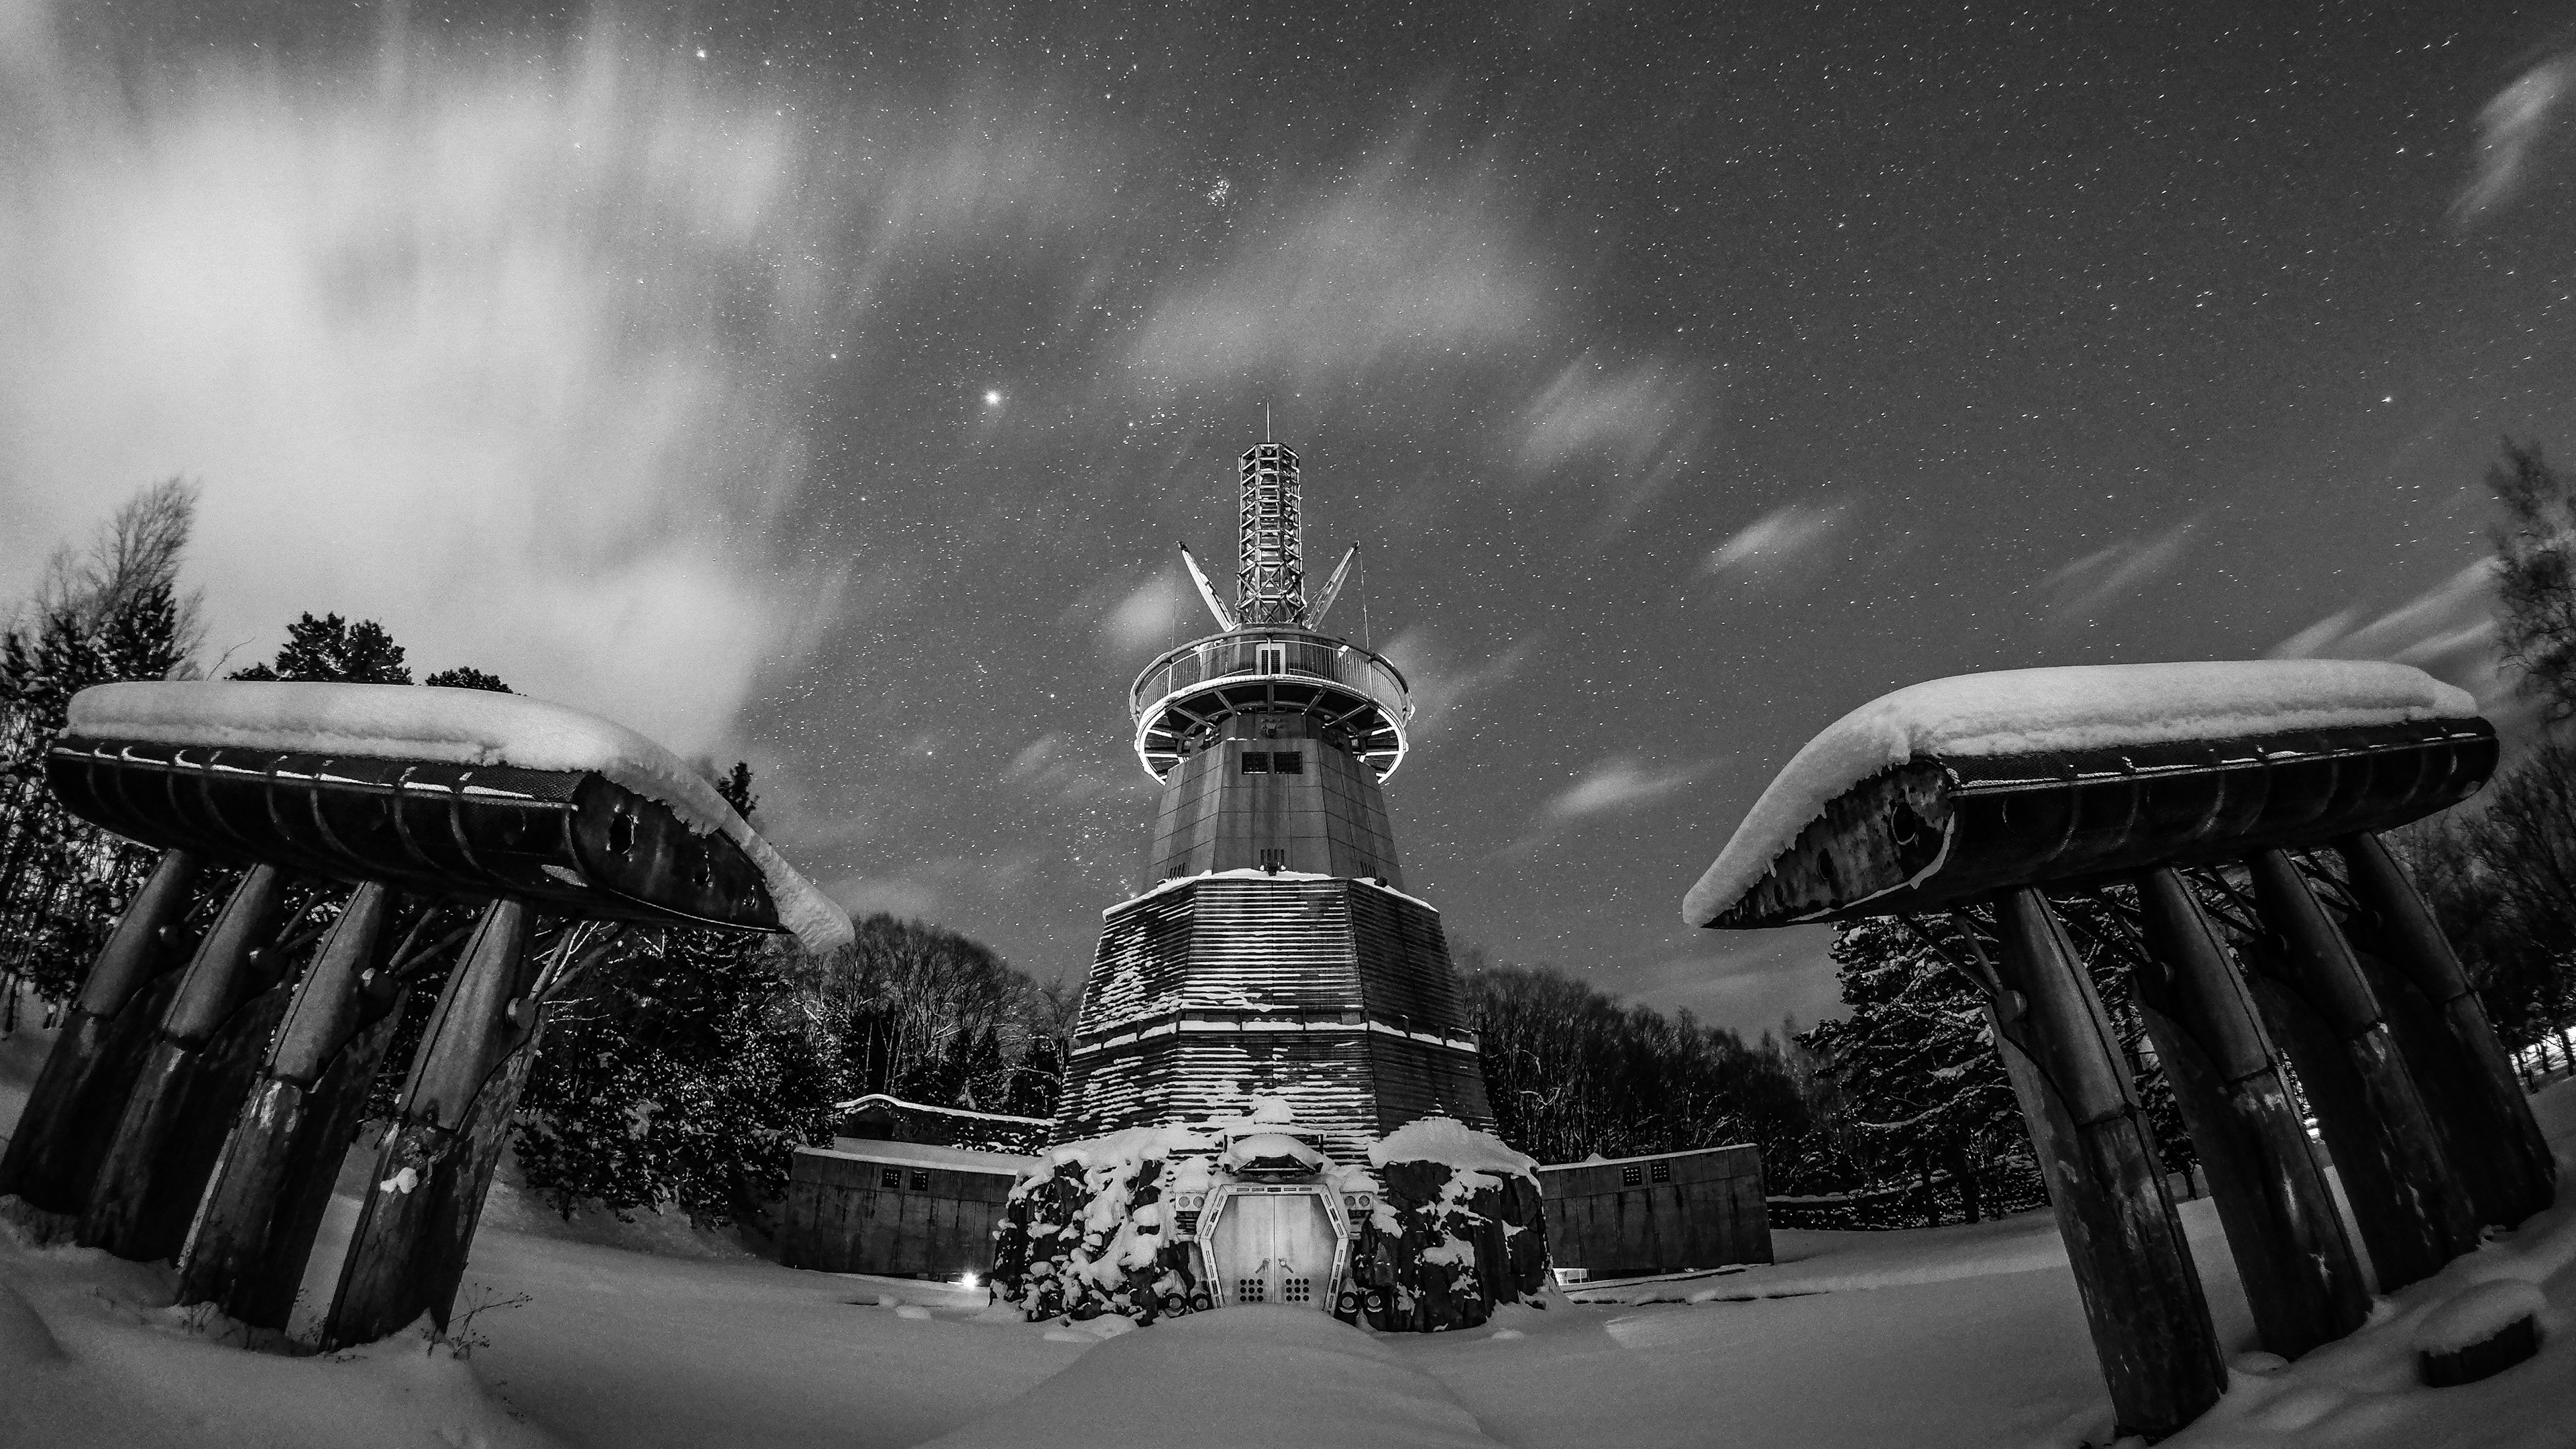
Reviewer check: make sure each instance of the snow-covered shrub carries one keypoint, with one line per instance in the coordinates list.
(1456, 1227)
(1086, 1233)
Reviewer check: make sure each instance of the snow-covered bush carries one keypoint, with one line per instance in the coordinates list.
(1085, 1232)
(1456, 1228)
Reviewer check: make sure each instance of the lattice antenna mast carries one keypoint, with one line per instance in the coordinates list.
(1270, 585)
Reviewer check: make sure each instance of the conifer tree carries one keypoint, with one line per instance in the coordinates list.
(333, 649)
(465, 676)
(684, 1071)
(1916, 1064)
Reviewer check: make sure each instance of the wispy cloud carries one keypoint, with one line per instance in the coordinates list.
(514, 349)
(1615, 785)
(2510, 128)
(2448, 630)
(1046, 766)
(1444, 677)
(1154, 613)
(2105, 576)
(1336, 277)
(1645, 420)
(1779, 544)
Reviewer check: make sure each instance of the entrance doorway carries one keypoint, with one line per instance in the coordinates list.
(1275, 1247)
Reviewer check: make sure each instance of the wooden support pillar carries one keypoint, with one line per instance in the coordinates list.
(192, 1081)
(78, 1097)
(2301, 1279)
(273, 1180)
(2466, 1079)
(2142, 1297)
(433, 1168)
(2406, 1198)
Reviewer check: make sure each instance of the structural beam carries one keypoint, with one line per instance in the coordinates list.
(2467, 1082)
(273, 1180)
(73, 1109)
(2142, 1298)
(2301, 1279)
(2397, 1174)
(426, 1191)
(193, 1079)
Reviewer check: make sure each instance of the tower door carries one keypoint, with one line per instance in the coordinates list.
(1276, 1248)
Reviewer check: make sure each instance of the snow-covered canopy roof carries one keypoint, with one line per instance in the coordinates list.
(2084, 707)
(450, 726)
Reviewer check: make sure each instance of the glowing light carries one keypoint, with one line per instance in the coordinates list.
(992, 398)
(968, 1281)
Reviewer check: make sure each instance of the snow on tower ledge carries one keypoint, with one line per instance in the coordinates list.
(451, 726)
(2080, 707)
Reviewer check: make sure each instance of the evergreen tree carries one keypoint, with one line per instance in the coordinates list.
(332, 649)
(465, 676)
(1916, 1063)
(685, 1070)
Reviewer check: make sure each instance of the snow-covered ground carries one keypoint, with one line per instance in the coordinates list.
(1948, 1336)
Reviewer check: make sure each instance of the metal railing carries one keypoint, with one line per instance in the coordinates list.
(1290, 655)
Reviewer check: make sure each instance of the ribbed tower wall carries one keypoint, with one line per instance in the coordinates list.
(1273, 951)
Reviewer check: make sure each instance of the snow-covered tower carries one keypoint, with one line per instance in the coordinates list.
(1273, 951)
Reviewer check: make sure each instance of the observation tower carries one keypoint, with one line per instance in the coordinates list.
(1272, 951)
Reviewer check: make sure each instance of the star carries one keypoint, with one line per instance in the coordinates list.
(992, 397)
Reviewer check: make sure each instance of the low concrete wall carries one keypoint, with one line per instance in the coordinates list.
(1658, 1214)
(892, 1209)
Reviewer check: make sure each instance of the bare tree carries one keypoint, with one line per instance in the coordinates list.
(134, 552)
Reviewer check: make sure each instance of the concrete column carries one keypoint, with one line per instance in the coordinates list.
(2301, 1278)
(273, 1179)
(73, 1109)
(2142, 1297)
(192, 1081)
(433, 1169)
(2467, 1081)
(2406, 1197)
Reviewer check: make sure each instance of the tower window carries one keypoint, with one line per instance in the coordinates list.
(1271, 658)
(920, 1182)
(1256, 762)
(891, 1179)
(1660, 1171)
(1288, 762)
(1631, 1175)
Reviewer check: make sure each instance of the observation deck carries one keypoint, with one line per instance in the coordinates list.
(1359, 699)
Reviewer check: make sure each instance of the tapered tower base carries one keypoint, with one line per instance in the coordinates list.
(1333, 995)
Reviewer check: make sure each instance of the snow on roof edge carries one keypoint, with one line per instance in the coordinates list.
(455, 726)
(2095, 706)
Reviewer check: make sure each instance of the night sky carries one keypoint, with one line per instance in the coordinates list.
(829, 387)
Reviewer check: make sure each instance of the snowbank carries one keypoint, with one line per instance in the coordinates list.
(2082, 707)
(2363, 1392)
(1251, 1377)
(452, 726)
(92, 1354)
